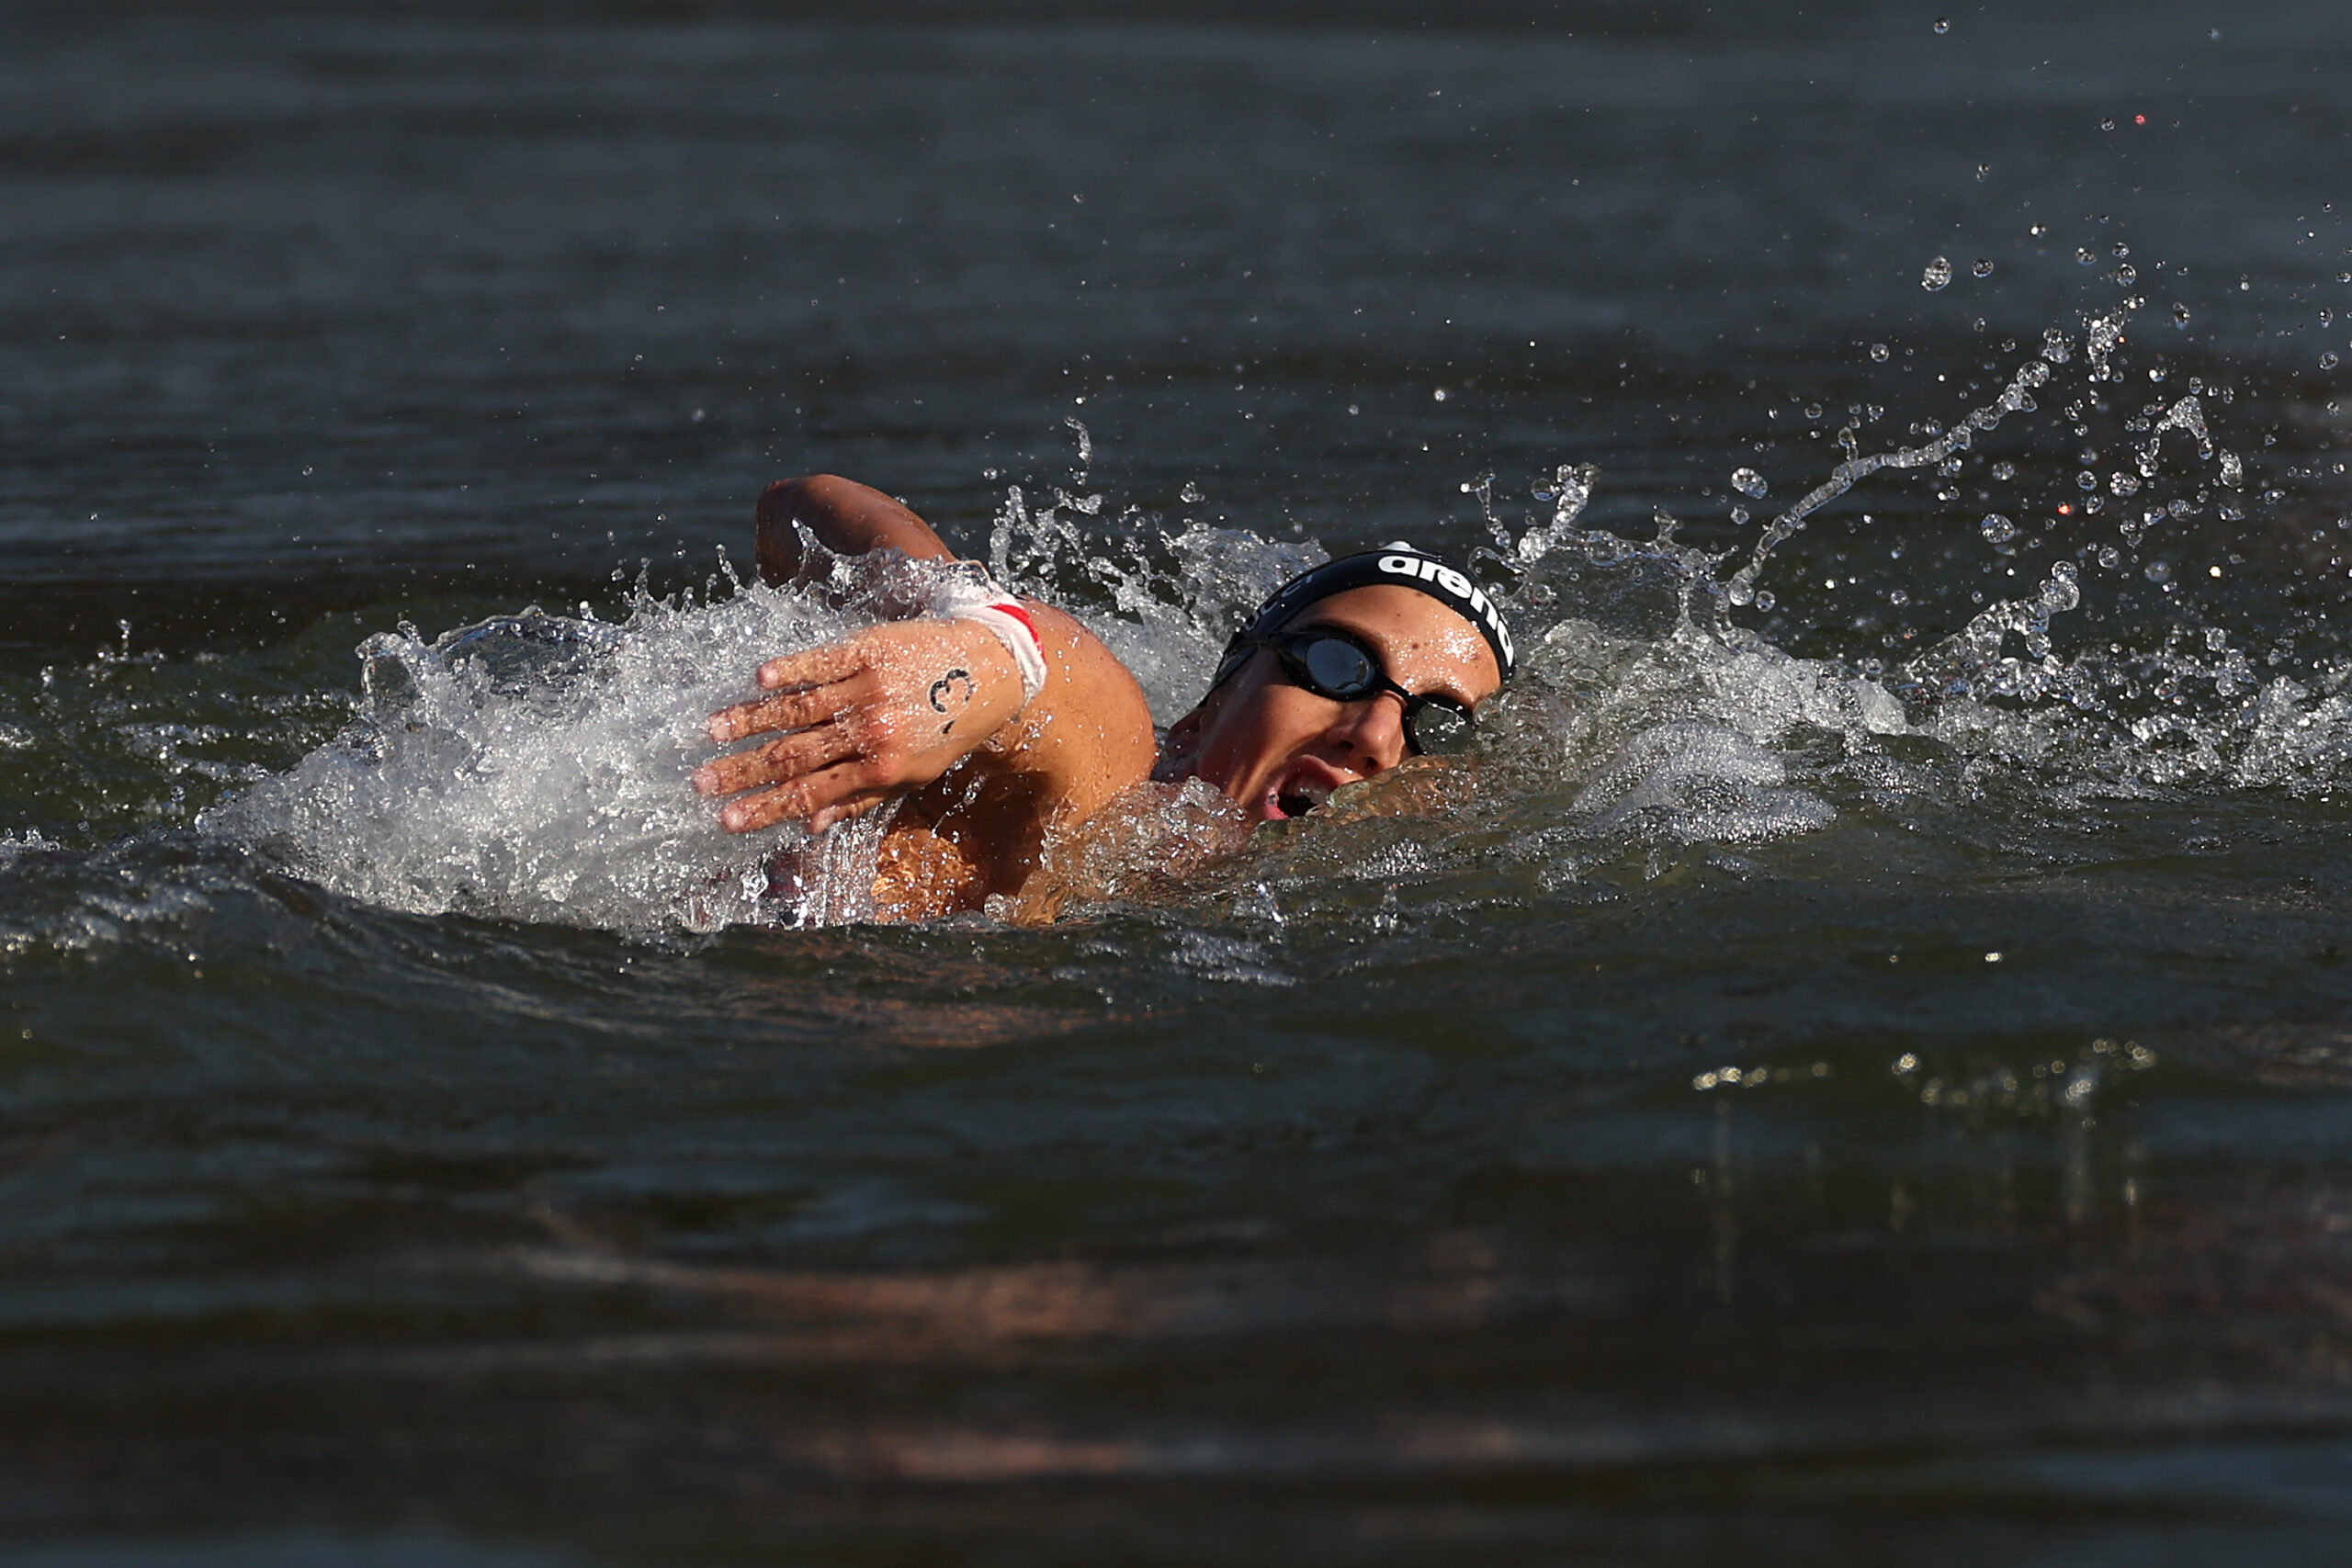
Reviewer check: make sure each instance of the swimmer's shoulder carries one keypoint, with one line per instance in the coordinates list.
(1088, 736)
(980, 831)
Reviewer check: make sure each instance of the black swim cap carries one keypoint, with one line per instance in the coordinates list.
(1397, 563)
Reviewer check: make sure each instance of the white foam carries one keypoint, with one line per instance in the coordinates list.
(535, 767)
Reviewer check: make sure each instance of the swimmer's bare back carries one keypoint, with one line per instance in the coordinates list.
(929, 712)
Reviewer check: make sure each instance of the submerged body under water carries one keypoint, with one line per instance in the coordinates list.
(1856, 1066)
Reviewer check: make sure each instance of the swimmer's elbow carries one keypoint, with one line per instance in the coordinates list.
(845, 517)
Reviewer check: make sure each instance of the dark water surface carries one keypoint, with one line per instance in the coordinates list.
(1865, 1075)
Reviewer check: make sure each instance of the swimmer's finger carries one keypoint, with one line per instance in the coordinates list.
(816, 667)
(848, 811)
(788, 710)
(779, 761)
(812, 799)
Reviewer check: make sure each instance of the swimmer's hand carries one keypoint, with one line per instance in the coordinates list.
(860, 721)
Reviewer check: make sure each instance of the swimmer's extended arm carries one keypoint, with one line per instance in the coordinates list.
(891, 708)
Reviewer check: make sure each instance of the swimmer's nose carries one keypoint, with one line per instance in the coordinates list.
(1373, 730)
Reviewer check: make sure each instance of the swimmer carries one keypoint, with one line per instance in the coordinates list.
(1002, 724)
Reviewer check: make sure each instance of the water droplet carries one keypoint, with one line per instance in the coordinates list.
(2084, 255)
(1984, 171)
(1748, 483)
(1982, 268)
(2125, 276)
(1937, 274)
(2056, 348)
(1739, 514)
(1765, 600)
(308, 471)
(1897, 597)
(2327, 362)
(2106, 125)
(2157, 572)
(2004, 471)
(2122, 483)
(1880, 352)
(1996, 530)
(2110, 557)
(1191, 494)
(1438, 395)
(1943, 25)
(2180, 314)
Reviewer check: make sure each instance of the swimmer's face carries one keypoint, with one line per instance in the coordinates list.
(1278, 750)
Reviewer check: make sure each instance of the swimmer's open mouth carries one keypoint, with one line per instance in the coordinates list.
(1302, 787)
(1299, 802)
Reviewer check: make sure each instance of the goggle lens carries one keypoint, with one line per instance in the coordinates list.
(1439, 728)
(1334, 666)
(1338, 668)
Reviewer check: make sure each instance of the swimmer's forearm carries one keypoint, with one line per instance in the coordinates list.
(845, 517)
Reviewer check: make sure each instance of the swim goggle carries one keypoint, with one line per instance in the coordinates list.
(1331, 663)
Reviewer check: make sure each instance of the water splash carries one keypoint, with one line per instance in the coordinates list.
(2017, 396)
(534, 767)
(1164, 601)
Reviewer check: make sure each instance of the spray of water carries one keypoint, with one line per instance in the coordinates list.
(533, 767)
